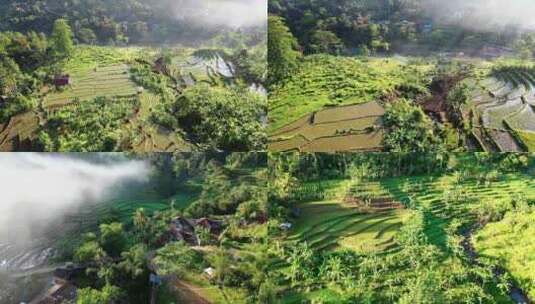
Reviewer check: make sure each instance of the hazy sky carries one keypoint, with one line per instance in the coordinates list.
(233, 13)
(40, 187)
(485, 14)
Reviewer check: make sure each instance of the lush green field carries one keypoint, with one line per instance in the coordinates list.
(445, 201)
(510, 243)
(333, 81)
(528, 138)
(333, 225)
(344, 128)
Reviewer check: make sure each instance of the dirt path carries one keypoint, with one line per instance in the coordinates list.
(189, 293)
(516, 294)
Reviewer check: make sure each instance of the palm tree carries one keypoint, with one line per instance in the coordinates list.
(335, 271)
(134, 261)
(141, 222)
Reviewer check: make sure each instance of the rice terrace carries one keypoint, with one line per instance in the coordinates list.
(452, 228)
(103, 76)
(446, 75)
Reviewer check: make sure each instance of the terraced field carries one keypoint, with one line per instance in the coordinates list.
(334, 81)
(344, 128)
(333, 223)
(192, 67)
(502, 106)
(329, 225)
(98, 71)
(511, 242)
(123, 205)
(108, 81)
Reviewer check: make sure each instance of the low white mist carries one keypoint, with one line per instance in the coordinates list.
(229, 13)
(36, 189)
(484, 15)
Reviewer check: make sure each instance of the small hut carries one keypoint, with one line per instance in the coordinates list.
(436, 109)
(213, 226)
(160, 66)
(62, 80)
(182, 229)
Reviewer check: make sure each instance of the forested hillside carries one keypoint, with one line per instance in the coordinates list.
(364, 27)
(131, 76)
(110, 21)
(193, 212)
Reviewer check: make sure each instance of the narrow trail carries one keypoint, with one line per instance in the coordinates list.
(516, 294)
(190, 293)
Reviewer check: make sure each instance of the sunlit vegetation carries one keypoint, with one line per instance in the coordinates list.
(99, 130)
(399, 228)
(323, 81)
(476, 88)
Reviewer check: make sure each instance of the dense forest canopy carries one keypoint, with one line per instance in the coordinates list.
(124, 21)
(389, 25)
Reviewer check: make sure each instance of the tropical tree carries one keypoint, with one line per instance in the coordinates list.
(283, 51)
(61, 39)
(141, 223)
(112, 238)
(134, 261)
(325, 42)
(108, 294)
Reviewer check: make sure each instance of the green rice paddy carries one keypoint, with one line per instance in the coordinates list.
(334, 81)
(332, 224)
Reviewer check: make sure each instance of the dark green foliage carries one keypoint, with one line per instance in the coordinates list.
(227, 118)
(61, 39)
(112, 238)
(88, 126)
(325, 42)
(409, 129)
(282, 50)
(222, 193)
(106, 21)
(366, 27)
(177, 259)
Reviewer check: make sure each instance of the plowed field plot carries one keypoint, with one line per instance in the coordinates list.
(503, 106)
(523, 119)
(18, 129)
(504, 140)
(106, 81)
(332, 225)
(345, 128)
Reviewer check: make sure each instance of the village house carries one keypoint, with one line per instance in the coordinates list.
(182, 229)
(160, 66)
(435, 109)
(63, 289)
(60, 293)
(62, 80)
(215, 227)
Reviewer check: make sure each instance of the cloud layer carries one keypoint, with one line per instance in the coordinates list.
(38, 188)
(484, 14)
(231, 13)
